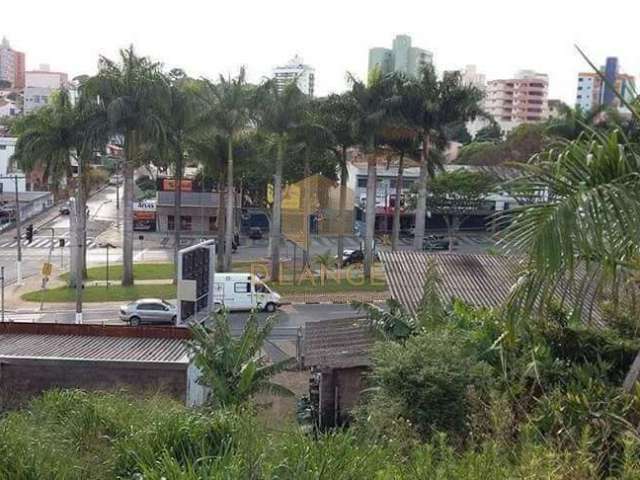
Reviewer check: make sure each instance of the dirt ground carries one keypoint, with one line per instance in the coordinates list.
(280, 411)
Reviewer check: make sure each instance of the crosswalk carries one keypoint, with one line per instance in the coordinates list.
(44, 242)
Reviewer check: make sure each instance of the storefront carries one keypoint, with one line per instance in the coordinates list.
(144, 215)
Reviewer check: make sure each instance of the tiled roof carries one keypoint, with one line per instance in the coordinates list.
(103, 348)
(341, 343)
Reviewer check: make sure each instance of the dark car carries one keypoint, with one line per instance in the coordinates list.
(255, 233)
(351, 257)
(434, 242)
(65, 209)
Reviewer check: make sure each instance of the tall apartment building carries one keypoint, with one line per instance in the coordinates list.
(522, 99)
(296, 71)
(592, 92)
(11, 65)
(402, 57)
(39, 85)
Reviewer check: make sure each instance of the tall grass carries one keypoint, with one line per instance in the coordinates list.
(78, 435)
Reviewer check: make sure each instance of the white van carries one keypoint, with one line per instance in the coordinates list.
(243, 291)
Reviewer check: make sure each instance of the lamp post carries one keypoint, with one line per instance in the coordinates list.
(107, 245)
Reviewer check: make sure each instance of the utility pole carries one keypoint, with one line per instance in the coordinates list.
(18, 234)
(2, 291)
(76, 251)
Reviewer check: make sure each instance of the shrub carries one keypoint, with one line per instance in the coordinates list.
(430, 376)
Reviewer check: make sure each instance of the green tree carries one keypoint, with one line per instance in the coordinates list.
(580, 230)
(178, 124)
(229, 103)
(135, 95)
(371, 116)
(337, 114)
(234, 368)
(430, 105)
(456, 195)
(54, 137)
(281, 111)
(490, 133)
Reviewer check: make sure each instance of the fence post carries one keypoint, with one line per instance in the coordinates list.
(299, 348)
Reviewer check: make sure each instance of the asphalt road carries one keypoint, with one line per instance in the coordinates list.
(289, 316)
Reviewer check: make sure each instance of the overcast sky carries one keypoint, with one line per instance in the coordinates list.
(211, 37)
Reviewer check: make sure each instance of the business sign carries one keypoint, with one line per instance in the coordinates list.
(169, 185)
(144, 206)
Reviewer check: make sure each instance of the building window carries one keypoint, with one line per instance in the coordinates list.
(362, 183)
(171, 223)
(212, 224)
(185, 223)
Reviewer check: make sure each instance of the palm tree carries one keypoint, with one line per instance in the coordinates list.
(209, 149)
(233, 368)
(572, 122)
(54, 136)
(372, 114)
(135, 95)
(178, 124)
(402, 144)
(230, 104)
(280, 113)
(582, 218)
(429, 105)
(337, 114)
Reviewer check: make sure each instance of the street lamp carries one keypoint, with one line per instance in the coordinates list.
(107, 245)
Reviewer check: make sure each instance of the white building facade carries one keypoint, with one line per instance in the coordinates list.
(40, 85)
(296, 71)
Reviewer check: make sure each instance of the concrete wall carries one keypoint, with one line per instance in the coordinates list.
(22, 379)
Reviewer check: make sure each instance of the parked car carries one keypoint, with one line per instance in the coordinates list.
(65, 209)
(255, 233)
(351, 257)
(148, 310)
(435, 242)
(116, 180)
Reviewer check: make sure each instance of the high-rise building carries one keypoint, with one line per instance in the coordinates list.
(471, 76)
(592, 92)
(296, 71)
(11, 65)
(39, 85)
(522, 99)
(402, 57)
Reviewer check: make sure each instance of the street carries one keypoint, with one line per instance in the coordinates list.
(289, 316)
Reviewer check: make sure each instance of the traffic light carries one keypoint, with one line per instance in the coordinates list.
(62, 243)
(30, 233)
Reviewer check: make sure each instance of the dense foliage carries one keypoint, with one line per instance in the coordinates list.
(75, 435)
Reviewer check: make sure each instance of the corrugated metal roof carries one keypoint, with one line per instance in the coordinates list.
(481, 280)
(82, 347)
(341, 343)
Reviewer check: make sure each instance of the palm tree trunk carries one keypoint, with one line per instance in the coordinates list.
(228, 237)
(127, 240)
(306, 254)
(343, 205)
(220, 225)
(395, 229)
(277, 214)
(421, 207)
(177, 212)
(370, 214)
